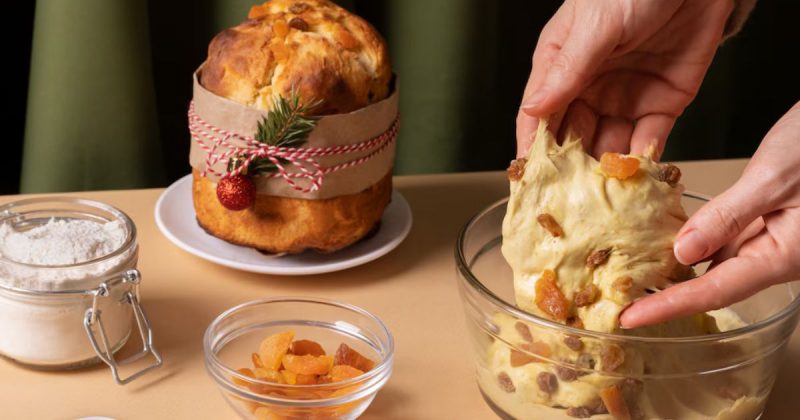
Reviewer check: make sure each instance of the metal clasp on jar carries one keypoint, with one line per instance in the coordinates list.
(94, 316)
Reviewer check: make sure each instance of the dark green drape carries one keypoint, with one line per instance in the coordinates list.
(110, 82)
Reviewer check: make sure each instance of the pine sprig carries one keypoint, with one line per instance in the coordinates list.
(286, 125)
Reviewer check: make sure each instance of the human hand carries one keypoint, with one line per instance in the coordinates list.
(751, 232)
(618, 72)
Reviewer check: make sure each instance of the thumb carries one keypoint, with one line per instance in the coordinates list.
(720, 221)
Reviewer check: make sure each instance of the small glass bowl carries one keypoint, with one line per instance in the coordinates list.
(234, 335)
(533, 368)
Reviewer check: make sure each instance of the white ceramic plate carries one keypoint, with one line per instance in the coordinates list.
(176, 219)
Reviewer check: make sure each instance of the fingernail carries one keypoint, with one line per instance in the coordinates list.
(689, 247)
(535, 99)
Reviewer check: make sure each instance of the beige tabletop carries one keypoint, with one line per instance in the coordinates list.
(413, 289)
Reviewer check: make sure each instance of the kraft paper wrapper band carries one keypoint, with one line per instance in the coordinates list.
(331, 130)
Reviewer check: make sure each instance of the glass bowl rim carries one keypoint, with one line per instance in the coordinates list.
(376, 376)
(476, 284)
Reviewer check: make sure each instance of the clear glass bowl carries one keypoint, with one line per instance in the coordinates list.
(532, 368)
(234, 335)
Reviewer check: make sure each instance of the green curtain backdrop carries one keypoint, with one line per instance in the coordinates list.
(110, 82)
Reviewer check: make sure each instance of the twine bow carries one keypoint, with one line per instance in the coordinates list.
(222, 145)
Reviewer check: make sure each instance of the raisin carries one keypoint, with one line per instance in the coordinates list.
(505, 382)
(587, 296)
(575, 322)
(299, 24)
(566, 374)
(612, 357)
(298, 8)
(574, 343)
(549, 223)
(579, 412)
(549, 297)
(597, 258)
(670, 174)
(524, 331)
(623, 284)
(516, 169)
(547, 382)
(618, 166)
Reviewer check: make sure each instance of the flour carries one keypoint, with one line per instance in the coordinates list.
(46, 330)
(60, 242)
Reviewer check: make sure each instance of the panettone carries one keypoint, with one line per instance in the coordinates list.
(327, 55)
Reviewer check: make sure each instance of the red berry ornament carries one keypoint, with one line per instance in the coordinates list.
(236, 192)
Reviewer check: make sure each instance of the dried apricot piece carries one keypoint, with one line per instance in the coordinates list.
(549, 223)
(516, 169)
(549, 297)
(614, 402)
(597, 258)
(246, 372)
(519, 358)
(257, 11)
(345, 355)
(587, 296)
(273, 348)
(622, 284)
(303, 347)
(343, 372)
(345, 39)
(307, 379)
(289, 377)
(256, 360)
(280, 28)
(538, 348)
(269, 375)
(618, 166)
(308, 364)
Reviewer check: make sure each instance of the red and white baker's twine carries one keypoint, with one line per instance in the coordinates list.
(211, 138)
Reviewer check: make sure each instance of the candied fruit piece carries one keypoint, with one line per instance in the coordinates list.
(612, 357)
(269, 375)
(280, 28)
(343, 372)
(615, 402)
(523, 331)
(308, 364)
(273, 348)
(246, 372)
(303, 347)
(597, 258)
(256, 360)
(549, 297)
(622, 284)
(345, 355)
(573, 343)
(618, 166)
(670, 174)
(516, 169)
(519, 358)
(547, 382)
(505, 382)
(549, 224)
(587, 296)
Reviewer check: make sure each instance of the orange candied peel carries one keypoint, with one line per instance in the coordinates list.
(549, 297)
(618, 166)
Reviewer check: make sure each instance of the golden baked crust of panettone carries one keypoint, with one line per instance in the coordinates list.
(315, 46)
(282, 224)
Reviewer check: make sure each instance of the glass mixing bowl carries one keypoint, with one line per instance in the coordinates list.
(532, 368)
(231, 339)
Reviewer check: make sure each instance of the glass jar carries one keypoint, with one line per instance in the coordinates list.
(529, 367)
(59, 317)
